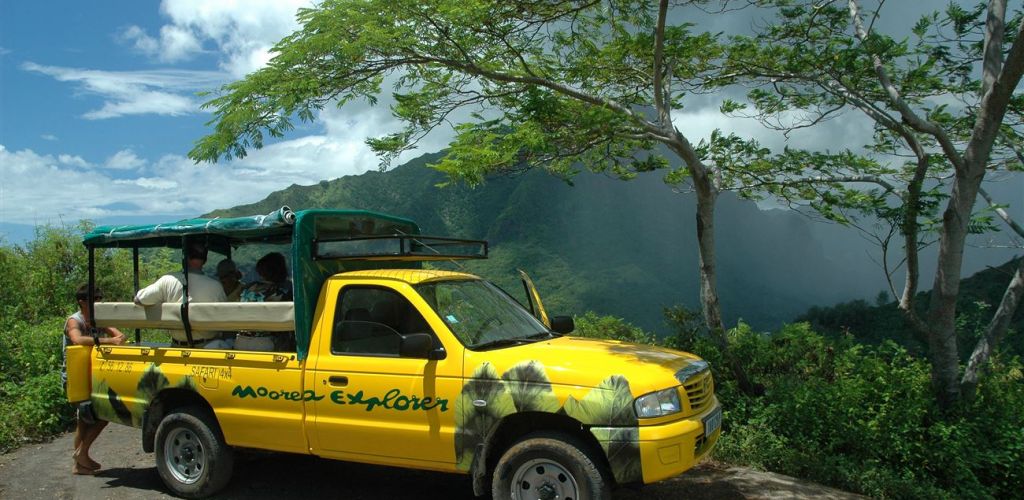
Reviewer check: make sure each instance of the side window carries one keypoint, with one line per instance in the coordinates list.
(371, 321)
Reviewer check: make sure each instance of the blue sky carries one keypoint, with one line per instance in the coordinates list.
(98, 109)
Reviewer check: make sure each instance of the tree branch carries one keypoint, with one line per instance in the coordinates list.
(1003, 214)
(928, 127)
(992, 58)
(558, 87)
(994, 104)
(994, 332)
(659, 55)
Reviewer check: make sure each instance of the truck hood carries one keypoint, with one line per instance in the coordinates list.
(588, 363)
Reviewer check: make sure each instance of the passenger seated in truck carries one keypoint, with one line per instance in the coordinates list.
(201, 288)
(230, 279)
(273, 286)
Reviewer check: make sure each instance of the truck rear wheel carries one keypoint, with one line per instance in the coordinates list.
(191, 456)
(549, 466)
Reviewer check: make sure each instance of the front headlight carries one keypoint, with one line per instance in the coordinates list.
(658, 404)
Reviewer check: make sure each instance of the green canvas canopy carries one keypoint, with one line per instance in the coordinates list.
(302, 228)
(275, 227)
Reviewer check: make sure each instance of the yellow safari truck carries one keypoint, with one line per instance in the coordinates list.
(390, 364)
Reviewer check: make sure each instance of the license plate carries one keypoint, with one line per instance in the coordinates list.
(712, 422)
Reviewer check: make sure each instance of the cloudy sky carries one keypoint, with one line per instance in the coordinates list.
(98, 109)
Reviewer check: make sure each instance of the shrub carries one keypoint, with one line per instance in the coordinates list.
(609, 327)
(862, 418)
(32, 399)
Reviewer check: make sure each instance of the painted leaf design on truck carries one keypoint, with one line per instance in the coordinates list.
(109, 405)
(526, 388)
(530, 388)
(473, 422)
(610, 403)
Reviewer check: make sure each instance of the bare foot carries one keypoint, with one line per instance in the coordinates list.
(85, 462)
(82, 471)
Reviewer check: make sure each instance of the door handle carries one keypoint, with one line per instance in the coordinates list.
(338, 380)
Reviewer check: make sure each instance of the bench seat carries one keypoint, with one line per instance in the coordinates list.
(203, 316)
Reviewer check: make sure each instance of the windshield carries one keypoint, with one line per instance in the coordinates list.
(480, 314)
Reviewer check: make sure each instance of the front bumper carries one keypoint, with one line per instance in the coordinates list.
(668, 450)
(663, 450)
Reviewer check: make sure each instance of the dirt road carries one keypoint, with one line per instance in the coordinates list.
(44, 471)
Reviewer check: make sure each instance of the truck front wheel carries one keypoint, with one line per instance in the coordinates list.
(191, 456)
(548, 466)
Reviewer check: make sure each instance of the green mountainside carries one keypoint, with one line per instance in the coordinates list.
(980, 295)
(614, 247)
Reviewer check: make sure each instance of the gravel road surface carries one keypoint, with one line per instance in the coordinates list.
(44, 471)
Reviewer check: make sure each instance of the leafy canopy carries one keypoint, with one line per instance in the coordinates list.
(547, 84)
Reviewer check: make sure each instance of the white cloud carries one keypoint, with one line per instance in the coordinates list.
(140, 40)
(124, 160)
(48, 137)
(148, 183)
(4, 51)
(73, 161)
(172, 184)
(176, 43)
(848, 131)
(242, 32)
(162, 92)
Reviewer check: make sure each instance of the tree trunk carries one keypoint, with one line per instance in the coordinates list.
(994, 332)
(706, 246)
(942, 342)
(706, 196)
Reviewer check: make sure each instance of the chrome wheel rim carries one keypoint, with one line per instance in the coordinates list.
(543, 479)
(184, 455)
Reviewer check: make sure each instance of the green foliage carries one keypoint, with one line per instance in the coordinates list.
(41, 277)
(854, 416)
(594, 326)
(31, 397)
(861, 418)
(552, 85)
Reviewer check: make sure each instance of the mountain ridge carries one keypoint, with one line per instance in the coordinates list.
(625, 248)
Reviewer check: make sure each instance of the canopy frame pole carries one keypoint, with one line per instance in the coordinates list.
(135, 282)
(184, 296)
(91, 297)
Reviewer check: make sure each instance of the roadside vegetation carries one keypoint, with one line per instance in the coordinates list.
(858, 417)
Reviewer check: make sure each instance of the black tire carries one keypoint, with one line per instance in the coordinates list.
(549, 465)
(191, 456)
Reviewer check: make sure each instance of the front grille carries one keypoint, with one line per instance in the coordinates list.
(700, 390)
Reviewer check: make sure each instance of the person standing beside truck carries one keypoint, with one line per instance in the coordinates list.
(201, 288)
(75, 328)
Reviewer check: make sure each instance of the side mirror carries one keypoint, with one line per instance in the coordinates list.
(562, 324)
(416, 345)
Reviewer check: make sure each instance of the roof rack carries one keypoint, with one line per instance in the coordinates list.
(401, 247)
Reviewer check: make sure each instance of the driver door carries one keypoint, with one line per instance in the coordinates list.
(376, 402)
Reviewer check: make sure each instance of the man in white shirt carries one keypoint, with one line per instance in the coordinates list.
(201, 288)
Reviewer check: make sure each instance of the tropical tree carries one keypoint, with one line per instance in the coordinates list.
(945, 115)
(553, 85)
